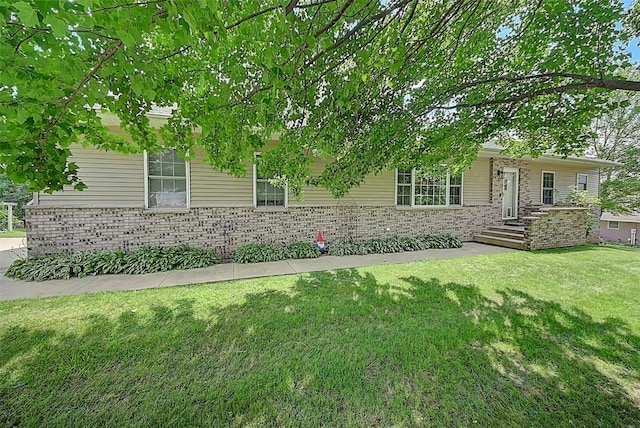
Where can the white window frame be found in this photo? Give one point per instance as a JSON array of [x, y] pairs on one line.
[[255, 190], [542, 188], [187, 172], [613, 228], [586, 183], [412, 198]]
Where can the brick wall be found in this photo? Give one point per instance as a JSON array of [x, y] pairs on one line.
[[56, 229], [594, 234], [524, 181], [556, 227]]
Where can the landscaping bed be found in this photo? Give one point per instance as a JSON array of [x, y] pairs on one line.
[[160, 259]]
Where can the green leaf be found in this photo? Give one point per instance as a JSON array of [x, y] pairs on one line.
[[27, 15], [58, 26], [22, 116], [126, 38]]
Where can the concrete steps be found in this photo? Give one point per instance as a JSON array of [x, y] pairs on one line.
[[502, 236]]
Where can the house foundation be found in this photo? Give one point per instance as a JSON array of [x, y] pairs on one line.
[[71, 229]]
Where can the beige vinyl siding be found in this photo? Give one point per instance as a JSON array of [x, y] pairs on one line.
[[211, 188], [565, 179], [476, 183], [593, 182], [377, 190], [113, 180], [312, 195]]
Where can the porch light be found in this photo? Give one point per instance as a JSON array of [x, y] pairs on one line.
[[499, 173]]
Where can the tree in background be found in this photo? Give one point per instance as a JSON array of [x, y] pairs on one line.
[[12, 192], [369, 85], [617, 138]]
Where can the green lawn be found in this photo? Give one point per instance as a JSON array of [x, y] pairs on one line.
[[517, 339], [15, 233]]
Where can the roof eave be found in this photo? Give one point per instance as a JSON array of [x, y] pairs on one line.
[[592, 161]]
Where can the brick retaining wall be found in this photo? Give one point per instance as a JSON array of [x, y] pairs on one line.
[[556, 227], [72, 229]]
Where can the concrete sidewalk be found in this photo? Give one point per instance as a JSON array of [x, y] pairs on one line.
[[11, 243], [13, 289], [10, 250]]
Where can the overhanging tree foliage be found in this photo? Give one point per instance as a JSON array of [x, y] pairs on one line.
[[616, 137], [369, 84]]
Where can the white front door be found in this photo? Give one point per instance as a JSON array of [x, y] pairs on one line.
[[510, 193]]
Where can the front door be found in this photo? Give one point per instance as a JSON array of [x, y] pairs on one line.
[[510, 193]]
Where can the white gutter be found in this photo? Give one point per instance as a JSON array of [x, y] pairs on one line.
[[487, 152]]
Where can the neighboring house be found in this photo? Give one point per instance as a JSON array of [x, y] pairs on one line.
[[620, 228], [159, 199]]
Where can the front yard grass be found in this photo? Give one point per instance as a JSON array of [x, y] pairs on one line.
[[15, 233], [517, 339]]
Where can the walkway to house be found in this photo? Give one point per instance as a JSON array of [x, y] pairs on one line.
[[11, 249], [12, 243], [13, 289]]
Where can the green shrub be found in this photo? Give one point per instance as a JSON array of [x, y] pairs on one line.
[[256, 253], [303, 250], [41, 268], [143, 260], [339, 248], [393, 245], [582, 198], [4, 219]]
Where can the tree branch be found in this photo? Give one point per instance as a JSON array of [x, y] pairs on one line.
[[357, 28], [182, 50], [129, 5], [515, 79], [253, 15], [290, 6], [21, 42], [335, 19], [588, 83], [107, 55], [315, 4]]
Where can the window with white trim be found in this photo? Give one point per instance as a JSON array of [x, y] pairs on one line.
[[418, 190], [403, 188], [548, 187], [581, 181], [167, 180], [266, 194], [613, 225]]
